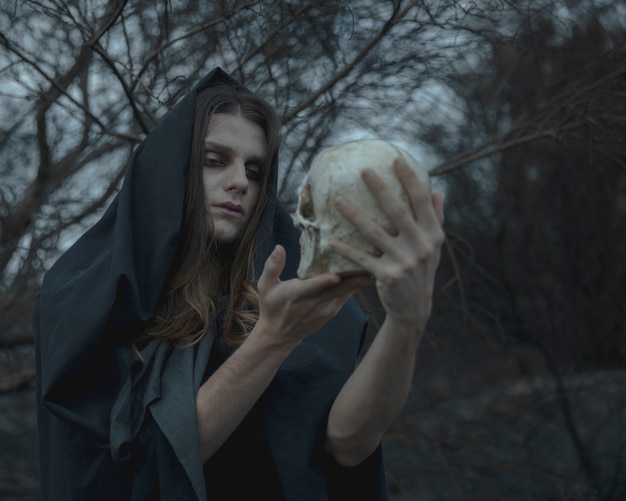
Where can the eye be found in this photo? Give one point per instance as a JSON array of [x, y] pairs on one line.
[[212, 160], [253, 172]]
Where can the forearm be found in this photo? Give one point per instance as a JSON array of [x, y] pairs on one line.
[[228, 395], [374, 395], [289, 312]]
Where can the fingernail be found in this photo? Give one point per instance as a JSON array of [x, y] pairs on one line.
[[340, 202], [401, 163], [367, 173]]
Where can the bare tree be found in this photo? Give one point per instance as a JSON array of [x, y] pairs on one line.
[[474, 89], [85, 81]]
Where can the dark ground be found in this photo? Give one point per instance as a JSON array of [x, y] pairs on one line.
[[490, 423], [468, 433]]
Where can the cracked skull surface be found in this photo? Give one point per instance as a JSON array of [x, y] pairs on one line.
[[336, 171]]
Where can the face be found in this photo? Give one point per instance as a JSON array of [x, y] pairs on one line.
[[234, 158]]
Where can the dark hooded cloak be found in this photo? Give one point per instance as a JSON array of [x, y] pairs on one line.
[[121, 424]]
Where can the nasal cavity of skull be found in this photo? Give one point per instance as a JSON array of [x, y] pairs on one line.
[[306, 204]]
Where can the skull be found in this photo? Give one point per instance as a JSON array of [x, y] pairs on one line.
[[336, 171]]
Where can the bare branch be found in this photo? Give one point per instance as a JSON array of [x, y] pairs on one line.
[[17, 223], [345, 71], [202, 27]]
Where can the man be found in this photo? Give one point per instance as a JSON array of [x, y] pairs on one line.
[[166, 369]]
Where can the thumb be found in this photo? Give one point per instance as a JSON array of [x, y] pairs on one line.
[[273, 267]]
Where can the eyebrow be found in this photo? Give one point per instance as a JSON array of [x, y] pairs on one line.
[[227, 150]]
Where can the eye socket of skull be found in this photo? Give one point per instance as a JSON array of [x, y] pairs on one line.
[[336, 171], [305, 205]]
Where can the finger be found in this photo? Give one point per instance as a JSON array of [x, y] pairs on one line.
[[372, 232], [427, 207], [316, 285], [392, 205], [418, 193], [272, 268], [353, 283], [328, 285], [345, 288], [437, 201], [362, 259]]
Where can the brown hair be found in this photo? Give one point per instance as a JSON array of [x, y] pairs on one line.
[[203, 270]]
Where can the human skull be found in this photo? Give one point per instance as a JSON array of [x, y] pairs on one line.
[[336, 171]]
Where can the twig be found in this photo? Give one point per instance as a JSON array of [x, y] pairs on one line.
[[370, 44]]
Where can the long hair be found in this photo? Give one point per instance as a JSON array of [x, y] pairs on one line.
[[202, 269]]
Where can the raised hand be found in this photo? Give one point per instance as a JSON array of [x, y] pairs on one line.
[[291, 310], [405, 269]]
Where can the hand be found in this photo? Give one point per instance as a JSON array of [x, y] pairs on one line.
[[405, 271], [289, 311]]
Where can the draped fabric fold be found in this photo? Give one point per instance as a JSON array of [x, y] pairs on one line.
[[120, 423]]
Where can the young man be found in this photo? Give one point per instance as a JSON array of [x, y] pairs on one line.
[[178, 355]]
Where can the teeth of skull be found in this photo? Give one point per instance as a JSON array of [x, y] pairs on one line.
[[336, 171]]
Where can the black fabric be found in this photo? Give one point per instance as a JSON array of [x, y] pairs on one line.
[[115, 424]]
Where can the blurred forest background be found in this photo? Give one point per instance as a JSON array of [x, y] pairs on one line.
[[517, 108]]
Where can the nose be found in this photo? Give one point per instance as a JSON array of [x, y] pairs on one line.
[[236, 178]]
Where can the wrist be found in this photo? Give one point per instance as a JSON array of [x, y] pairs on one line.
[[268, 337], [406, 328]]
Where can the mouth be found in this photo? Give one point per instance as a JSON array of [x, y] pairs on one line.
[[231, 208]]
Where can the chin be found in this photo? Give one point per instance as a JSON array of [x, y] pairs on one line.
[[227, 238], [227, 235]]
